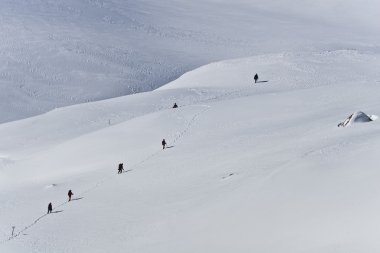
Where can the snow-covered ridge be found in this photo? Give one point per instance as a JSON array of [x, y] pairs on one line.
[[285, 71], [251, 166]]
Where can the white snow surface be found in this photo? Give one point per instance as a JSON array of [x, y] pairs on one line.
[[251, 167], [55, 53]]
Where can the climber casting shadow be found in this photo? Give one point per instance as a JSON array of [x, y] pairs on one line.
[[77, 199], [125, 171]]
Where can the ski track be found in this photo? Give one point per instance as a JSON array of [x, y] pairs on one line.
[[192, 121]]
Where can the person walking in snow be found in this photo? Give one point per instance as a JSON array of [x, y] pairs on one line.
[[70, 193], [163, 144], [175, 105], [50, 208], [256, 77], [120, 169]]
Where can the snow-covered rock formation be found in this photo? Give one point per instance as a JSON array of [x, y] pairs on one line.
[[357, 117]]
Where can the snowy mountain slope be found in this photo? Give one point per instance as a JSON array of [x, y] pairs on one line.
[[252, 168], [220, 80], [64, 52]]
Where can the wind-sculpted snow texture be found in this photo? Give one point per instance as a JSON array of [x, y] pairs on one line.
[[62, 52], [249, 167]]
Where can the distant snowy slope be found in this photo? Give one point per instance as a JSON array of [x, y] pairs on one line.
[[250, 167], [63, 52], [351, 14]]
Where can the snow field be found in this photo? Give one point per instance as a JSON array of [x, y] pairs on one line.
[[252, 168]]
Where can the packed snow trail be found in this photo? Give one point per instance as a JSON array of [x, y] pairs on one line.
[[17, 234], [176, 138]]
